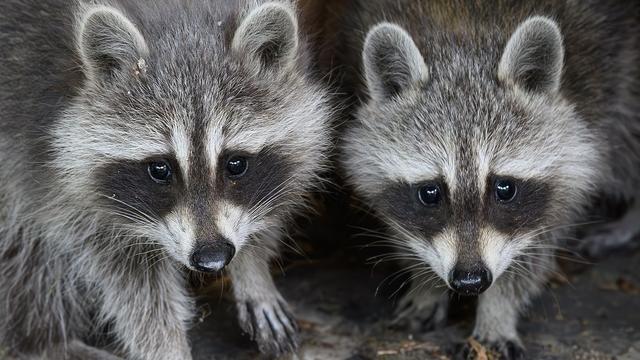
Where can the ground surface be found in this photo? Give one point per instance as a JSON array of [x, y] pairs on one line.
[[596, 315]]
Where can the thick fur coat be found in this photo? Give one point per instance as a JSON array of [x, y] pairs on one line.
[[134, 134]]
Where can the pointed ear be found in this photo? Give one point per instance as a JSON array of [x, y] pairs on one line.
[[268, 36], [107, 42], [534, 56], [391, 60]]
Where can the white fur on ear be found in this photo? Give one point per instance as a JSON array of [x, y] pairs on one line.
[[534, 56], [391, 61], [268, 36], [108, 41]]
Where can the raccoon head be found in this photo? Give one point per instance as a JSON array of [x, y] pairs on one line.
[[194, 131], [473, 157]]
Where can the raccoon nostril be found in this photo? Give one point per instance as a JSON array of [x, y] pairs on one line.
[[213, 257], [469, 282]]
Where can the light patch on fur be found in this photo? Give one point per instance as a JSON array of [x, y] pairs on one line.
[[214, 143], [408, 160], [497, 315], [484, 163], [180, 237], [235, 224], [81, 138], [527, 166], [449, 172], [496, 250], [407, 168], [251, 140], [181, 143], [445, 247], [440, 254]]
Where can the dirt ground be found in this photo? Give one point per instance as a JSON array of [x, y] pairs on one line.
[[595, 315]]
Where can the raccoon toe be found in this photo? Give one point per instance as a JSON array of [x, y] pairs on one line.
[[271, 326], [504, 350], [513, 351]]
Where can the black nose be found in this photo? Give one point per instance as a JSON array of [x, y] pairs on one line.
[[469, 282], [212, 257]]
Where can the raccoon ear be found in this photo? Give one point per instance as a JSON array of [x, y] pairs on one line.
[[391, 60], [534, 56], [268, 36], [107, 42]]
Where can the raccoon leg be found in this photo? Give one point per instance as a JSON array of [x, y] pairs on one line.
[[262, 311], [613, 235], [423, 308], [496, 323], [500, 306], [149, 309]]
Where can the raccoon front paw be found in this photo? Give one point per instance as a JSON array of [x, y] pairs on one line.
[[417, 314], [270, 324], [505, 350]]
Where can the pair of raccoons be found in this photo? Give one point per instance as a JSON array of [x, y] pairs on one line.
[[143, 140]]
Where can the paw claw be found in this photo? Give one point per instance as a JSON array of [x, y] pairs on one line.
[[513, 351], [270, 326], [284, 308]]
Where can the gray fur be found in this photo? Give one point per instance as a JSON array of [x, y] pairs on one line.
[[543, 92], [105, 34], [534, 56], [273, 25], [391, 61], [90, 92]]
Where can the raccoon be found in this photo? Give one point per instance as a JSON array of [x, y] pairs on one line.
[[482, 132], [143, 141]]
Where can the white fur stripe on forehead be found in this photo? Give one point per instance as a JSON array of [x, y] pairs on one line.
[[414, 170], [181, 142], [214, 144]]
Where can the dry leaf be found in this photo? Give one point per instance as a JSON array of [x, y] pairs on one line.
[[479, 350]]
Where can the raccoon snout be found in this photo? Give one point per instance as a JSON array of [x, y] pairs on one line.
[[213, 257], [469, 282]]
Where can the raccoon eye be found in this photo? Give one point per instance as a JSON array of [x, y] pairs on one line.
[[160, 172], [429, 194], [237, 166], [506, 190]]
